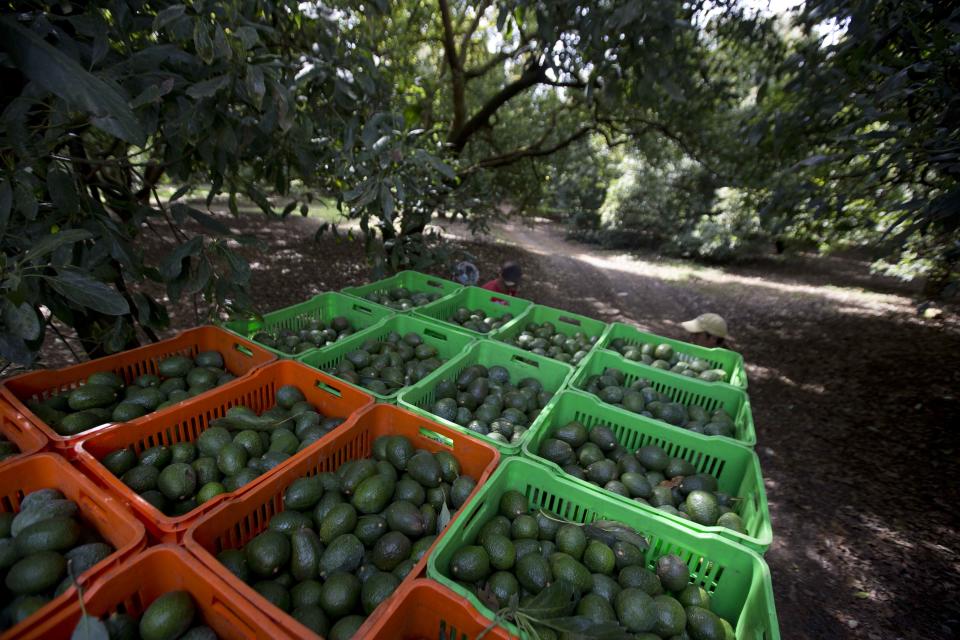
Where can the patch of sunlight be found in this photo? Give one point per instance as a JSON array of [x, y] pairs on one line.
[[883, 531]]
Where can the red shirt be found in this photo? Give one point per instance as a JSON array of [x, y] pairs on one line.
[[497, 286]]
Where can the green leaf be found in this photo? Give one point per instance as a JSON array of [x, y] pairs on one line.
[[6, 203], [21, 320], [172, 266], [441, 166], [443, 519], [248, 37], [256, 87], [25, 201], [83, 290], [583, 628], [386, 202], [208, 88], [64, 77], [611, 531], [220, 45], [202, 42], [62, 191], [167, 16], [200, 278], [239, 265], [179, 193], [14, 349], [90, 628], [52, 242]]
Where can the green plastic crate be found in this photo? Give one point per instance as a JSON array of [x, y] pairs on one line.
[[729, 361], [521, 364], [709, 395], [448, 341], [565, 322], [361, 314], [737, 578], [490, 302], [735, 466], [412, 280]]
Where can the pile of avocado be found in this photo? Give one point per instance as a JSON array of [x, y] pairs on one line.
[[479, 321], [169, 617], [518, 554], [641, 397], [106, 398], [346, 539], [388, 365], [36, 546], [485, 401], [312, 334], [401, 298], [663, 356], [544, 339], [7, 449], [232, 452], [649, 476]]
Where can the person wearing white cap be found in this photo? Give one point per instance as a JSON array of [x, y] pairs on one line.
[[707, 329]]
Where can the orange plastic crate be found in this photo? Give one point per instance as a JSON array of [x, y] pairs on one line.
[[240, 357], [111, 520], [426, 610], [131, 588], [187, 421], [236, 522], [28, 438]]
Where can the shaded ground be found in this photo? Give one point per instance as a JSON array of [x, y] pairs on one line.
[[854, 397]]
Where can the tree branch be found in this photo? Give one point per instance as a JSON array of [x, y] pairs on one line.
[[456, 69], [458, 137], [498, 59], [531, 151]]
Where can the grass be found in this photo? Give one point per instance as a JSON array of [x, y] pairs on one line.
[[322, 209]]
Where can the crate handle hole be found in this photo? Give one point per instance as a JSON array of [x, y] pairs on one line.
[[323, 386], [242, 349], [526, 361], [435, 284], [569, 320], [430, 434], [362, 309], [434, 334]]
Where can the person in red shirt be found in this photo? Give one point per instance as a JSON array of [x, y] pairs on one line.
[[508, 280]]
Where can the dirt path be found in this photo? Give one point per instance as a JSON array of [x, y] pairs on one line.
[[852, 396]]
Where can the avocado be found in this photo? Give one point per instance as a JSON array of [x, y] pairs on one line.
[[673, 572], [212, 440], [460, 490], [79, 422], [289, 395], [174, 367], [596, 608], [340, 519], [470, 564], [533, 572], [168, 617], [36, 573], [275, 593], [305, 550], [390, 550], [513, 504], [405, 517], [158, 456], [564, 567], [303, 494], [268, 553], [236, 562], [369, 528], [344, 553], [703, 624], [599, 558], [51, 534], [92, 396], [354, 472], [141, 478], [120, 461], [178, 481], [312, 617], [571, 540], [289, 521], [340, 595], [556, 451], [424, 468], [500, 550], [373, 494], [635, 610], [376, 589], [232, 459], [702, 507], [346, 628], [37, 511]]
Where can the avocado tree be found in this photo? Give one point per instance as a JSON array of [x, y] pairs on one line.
[[507, 86], [102, 100]]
